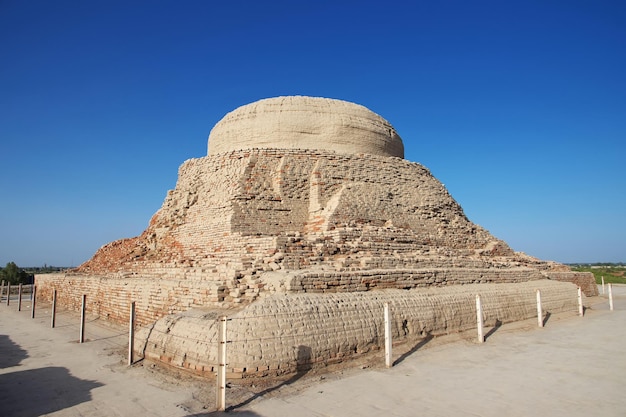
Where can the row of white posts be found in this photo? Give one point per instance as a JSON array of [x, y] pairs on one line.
[[610, 294], [479, 319], [81, 339]]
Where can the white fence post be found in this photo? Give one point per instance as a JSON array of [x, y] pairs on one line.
[[34, 297], [611, 297], [131, 333], [8, 293], [479, 319], [388, 344], [221, 366], [581, 311], [539, 309], [2, 290], [603, 286], [82, 320]]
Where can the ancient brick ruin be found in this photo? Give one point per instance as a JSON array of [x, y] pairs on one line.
[[298, 197]]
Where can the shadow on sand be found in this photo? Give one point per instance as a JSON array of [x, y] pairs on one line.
[[546, 318], [493, 329], [242, 413], [37, 392], [414, 349], [12, 353]]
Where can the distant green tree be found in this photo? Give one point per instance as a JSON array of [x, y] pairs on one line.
[[14, 275]]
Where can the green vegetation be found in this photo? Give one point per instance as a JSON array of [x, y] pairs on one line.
[[612, 273], [15, 275], [46, 269]]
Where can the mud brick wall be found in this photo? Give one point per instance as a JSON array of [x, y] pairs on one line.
[[585, 280], [235, 217], [285, 333], [354, 281], [110, 298], [229, 208]]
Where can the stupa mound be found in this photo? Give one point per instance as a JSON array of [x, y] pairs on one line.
[[301, 198], [305, 123]]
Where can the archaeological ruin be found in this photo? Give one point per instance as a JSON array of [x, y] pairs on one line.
[[303, 219]]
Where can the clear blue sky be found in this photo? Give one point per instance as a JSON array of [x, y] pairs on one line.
[[518, 107]]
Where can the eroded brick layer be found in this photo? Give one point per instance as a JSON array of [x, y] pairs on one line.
[[288, 333], [247, 222]]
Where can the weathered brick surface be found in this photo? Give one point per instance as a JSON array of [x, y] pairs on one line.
[[585, 280], [110, 298], [305, 123], [283, 332], [236, 209], [236, 218]]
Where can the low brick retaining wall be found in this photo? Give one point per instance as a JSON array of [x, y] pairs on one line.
[[285, 333], [585, 280]]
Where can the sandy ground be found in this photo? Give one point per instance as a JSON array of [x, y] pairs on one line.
[[572, 367]]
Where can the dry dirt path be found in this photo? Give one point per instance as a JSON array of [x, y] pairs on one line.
[[572, 367], [45, 371]]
